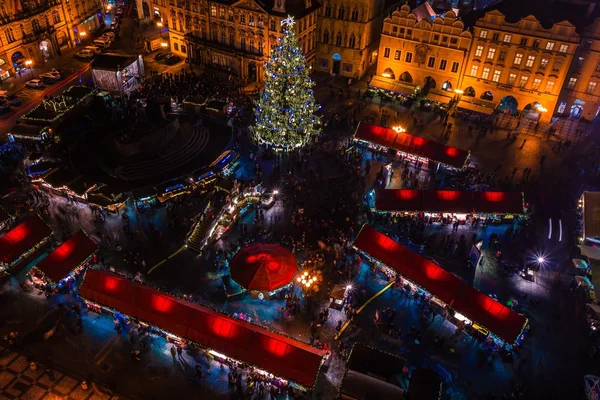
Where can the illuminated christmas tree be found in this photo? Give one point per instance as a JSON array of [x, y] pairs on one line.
[[286, 110]]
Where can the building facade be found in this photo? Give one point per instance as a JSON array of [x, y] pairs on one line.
[[38, 30], [520, 66], [235, 36], [580, 97], [348, 36], [425, 53]]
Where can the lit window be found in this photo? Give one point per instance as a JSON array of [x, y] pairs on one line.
[[507, 38], [483, 34], [486, 73], [496, 76], [518, 59], [530, 61], [549, 86], [549, 45], [408, 58], [491, 53], [536, 83], [591, 88], [563, 48], [474, 69], [543, 63], [397, 54], [523, 81], [572, 83], [479, 51], [512, 77], [213, 10]]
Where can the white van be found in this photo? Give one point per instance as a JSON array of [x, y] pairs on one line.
[[105, 44]]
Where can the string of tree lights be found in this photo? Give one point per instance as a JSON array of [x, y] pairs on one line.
[[286, 110]]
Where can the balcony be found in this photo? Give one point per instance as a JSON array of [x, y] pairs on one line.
[[37, 35], [48, 4]]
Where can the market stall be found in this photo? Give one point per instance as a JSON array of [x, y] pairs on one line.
[[224, 336], [117, 73], [22, 241], [590, 207], [468, 306], [414, 148], [145, 199], [5, 219], [65, 261], [263, 268]]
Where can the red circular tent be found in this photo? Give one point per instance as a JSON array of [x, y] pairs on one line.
[[263, 267]]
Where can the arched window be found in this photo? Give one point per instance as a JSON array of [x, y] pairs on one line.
[[341, 12], [35, 25], [328, 10], [326, 36], [10, 35], [469, 92], [352, 41], [447, 86], [354, 16], [56, 16], [338, 39]]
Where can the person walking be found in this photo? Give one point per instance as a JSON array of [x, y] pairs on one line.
[[173, 352], [199, 370]]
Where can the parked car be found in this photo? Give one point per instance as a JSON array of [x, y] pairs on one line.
[[93, 49], [161, 55], [85, 55], [102, 43], [10, 98], [35, 83], [172, 59], [51, 76], [109, 34]]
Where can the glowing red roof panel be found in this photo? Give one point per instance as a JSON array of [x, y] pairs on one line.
[[263, 267], [22, 238], [498, 202], [282, 356], [68, 256]]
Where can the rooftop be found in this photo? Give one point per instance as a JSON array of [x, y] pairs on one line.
[[113, 62]]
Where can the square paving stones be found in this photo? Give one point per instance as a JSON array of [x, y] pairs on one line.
[[7, 357], [5, 378], [34, 393], [19, 364], [66, 385]]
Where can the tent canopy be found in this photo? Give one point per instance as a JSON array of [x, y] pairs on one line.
[[280, 355], [591, 214], [263, 267], [68, 256], [410, 144], [22, 238], [452, 201], [476, 306]]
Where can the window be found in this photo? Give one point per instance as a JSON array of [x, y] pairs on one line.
[[176, 46], [556, 65], [402, 31], [579, 62], [572, 82], [536, 44], [474, 69], [549, 45], [213, 10], [347, 67], [496, 76], [543, 63], [409, 32], [251, 20], [530, 61], [323, 63], [591, 87], [549, 86], [10, 35], [354, 17], [563, 48], [454, 67], [436, 37], [243, 43], [507, 38], [341, 12], [443, 64], [523, 41], [352, 41], [479, 51], [486, 73], [518, 59], [483, 34], [223, 36], [56, 16], [251, 46], [512, 77], [523, 81], [491, 53], [444, 39], [338, 40], [431, 62], [394, 29], [243, 19], [453, 40], [231, 39], [328, 10], [536, 83], [272, 25], [408, 57], [495, 37], [221, 12], [326, 36], [183, 49], [397, 54], [230, 15], [386, 52]]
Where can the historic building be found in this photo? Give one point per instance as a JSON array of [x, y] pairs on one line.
[[518, 64], [580, 97], [421, 50], [37, 30], [348, 35], [236, 36]]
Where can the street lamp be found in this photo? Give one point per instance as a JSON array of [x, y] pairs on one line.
[[159, 24], [164, 45], [82, 36], [399, 129], [29, 64]]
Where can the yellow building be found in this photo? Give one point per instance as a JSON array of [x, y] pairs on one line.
[[348, 36], [235, 36], [420, 50], [580, 97], [38, 31], [520, 65]]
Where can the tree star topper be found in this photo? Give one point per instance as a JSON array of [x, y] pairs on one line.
[[289, 21]]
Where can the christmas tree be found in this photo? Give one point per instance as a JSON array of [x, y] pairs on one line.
[[285, 110]]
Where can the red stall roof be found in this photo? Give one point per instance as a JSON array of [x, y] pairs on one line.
[[282, 356], [22, 238], [474, 305], [68, 256], [449, 201], [415, 145]]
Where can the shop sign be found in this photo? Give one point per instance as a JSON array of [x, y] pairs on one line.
[[579, 102]]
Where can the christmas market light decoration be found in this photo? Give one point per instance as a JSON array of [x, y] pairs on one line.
[[285, 113], [399, 129]]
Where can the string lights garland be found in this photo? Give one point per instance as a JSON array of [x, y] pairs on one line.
[[285, 112]]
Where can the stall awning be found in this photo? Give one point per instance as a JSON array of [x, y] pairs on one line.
[[474, 305], [22, 238], [68, 256], [280, 355], [439, 98], [391, 85], [410, 144], [453, 201], [590, 252], [480, 108], [591, 214]]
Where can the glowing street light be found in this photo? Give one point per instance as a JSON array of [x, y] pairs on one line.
[[399, 129], [82, 34], [164, 45], [541, 260], [458, 91], [159, 24], [28, 63]]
